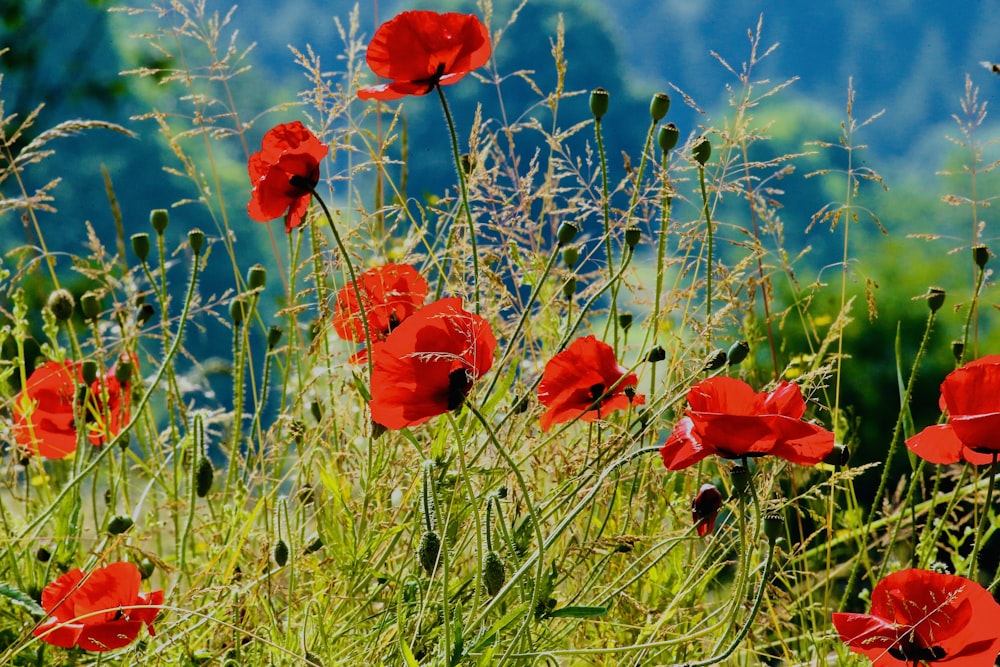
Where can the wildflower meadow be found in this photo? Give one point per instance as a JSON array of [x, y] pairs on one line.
[[566, 408]]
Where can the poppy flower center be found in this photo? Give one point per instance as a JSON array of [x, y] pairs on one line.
[[909, 650], [433, 79], [458, 387], [303, 183]]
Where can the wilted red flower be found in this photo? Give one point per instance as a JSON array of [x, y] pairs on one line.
[[925, 616], [725, 416], [705, 509], [100, 611], [428, 364], [971, 397], [43, 411], [389, 293], [419, 50], [585, 381], [283, 173]]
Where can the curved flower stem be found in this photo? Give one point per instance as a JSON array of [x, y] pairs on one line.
[[470, 492], [745, 629], [973, 308], [982, 519], [548, 541], [897, 433], [706, 211], [463, 186], [666, 204]]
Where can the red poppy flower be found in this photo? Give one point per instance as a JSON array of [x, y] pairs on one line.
[[283, 174], [389, 293], [428, 364], [585, 381], [100, 611], [971, 397], [43, 411], [726, 417], [705, 509], [419, 50], [919, 615]]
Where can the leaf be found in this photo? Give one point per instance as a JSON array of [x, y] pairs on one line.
[[21, 600], [578, 612]]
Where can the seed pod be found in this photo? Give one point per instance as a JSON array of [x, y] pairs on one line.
[[196, 239], [738, 351], [569, 289], [90, 305], [715, 360], [667, 137], [935, 298], [659, 106], [494, 573], [599, 99], [274, 336], [774, 524], [980, 255], [702, 151], [257, 276], [140, 245], [146, 568], [570, 255], [159, 219], [632, 237], [656, 354], [566, 233], [203, 476]]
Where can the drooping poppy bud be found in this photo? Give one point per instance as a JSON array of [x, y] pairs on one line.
[[705, 508], [656, 354], [715, 360]]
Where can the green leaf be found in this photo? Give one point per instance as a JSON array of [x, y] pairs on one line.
[[21, 600], [578, 612]]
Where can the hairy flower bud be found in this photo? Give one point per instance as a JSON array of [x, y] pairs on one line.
[[715, 360], [566, 233], [428, 550], [280, 552], [119, 524], [88, 369], [494, 573], [738, 351], [61, 303], [203, 476], [656, 354]]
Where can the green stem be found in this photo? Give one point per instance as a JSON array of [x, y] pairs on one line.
[[605, 200], [706, 211], [463, 186], [983, 520]]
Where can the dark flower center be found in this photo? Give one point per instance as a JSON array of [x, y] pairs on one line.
[[911, 651], [304, 183], [433, 79], [458, 387]]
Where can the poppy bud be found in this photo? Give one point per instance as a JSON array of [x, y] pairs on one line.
[[280, 552], [274, 336], [140, 246], [659, 106], [257, 276], [935, 298], [90, 305], [203, 476], [656, 354], [570, 255], [957, 350], [43, 555], [705, 508], [314, 546], [702, 151], [159, 219], [774, 524], [239, 309], [146, 568], [88, 369], [715, 360], [494, 573], [632, 237], [569, 289], [61, 304], [119, 524], [625, 321], [196, 239], [502, 492], [316, 411], [738, 351], [667, 137], [145, 312], [306, 495], [740, 476], [298, 431], [599, 99], [428, 550], [123, 370], [566, 233], [981, 255], [838, 456]]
